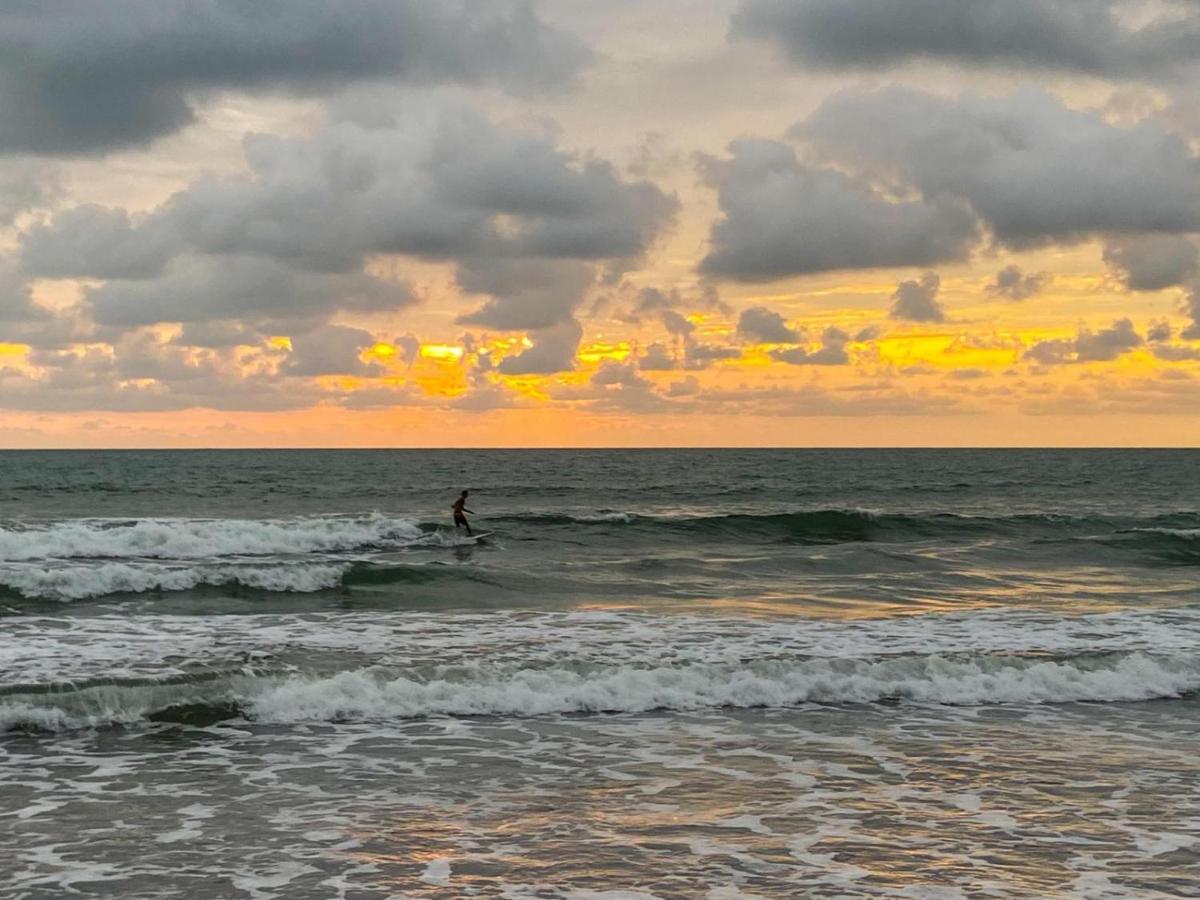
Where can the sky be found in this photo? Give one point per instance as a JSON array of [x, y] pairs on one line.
[[399, 223]]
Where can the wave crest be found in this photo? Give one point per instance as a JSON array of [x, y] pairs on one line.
[[202, 538], [372, 694]]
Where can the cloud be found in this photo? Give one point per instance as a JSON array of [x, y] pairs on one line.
[[553, 351], [526, 294], [1154, 261], [524, 221], [92, 241], [1033, 170], [409, 347], [1088, 346], [199, 289], [26, 185], [677, 325], [330, 350], [652, 301], [1159, 331], [1014, 284], [611, 373], [917, 300], [689, 387], [16, 302], [782, 218], [701, 356], [1108, 38], [84, 77], [221, 334], [142, 373], [765, 326], [657, 358], [832, 351]]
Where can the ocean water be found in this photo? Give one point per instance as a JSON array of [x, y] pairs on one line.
[[716, 674]]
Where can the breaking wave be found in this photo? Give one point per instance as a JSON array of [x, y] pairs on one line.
[[373, 694], [202, 538]]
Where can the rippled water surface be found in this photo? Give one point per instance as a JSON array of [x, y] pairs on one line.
[[665, 674]]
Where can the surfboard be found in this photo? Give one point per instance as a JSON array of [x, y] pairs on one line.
[[480, 535]]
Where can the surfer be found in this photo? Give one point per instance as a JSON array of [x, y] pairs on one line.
[[460, 508]]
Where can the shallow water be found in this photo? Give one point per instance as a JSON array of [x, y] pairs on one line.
[[670, 674]]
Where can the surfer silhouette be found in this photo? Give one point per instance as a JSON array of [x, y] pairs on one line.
[[460, 509]]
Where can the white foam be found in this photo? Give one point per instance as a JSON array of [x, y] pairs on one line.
[[604, 517], [935, 680], [437, 873], [201, 538], [80, 582]]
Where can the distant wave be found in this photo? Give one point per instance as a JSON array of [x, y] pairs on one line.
[[846, 525], [369, 694]]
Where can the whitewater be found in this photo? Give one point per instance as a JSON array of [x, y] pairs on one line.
[[667, 674]]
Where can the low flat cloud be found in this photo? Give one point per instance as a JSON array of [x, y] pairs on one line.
[[1109, 38], [1104, 345], [832, 351], [1014, 284], [80, 77]]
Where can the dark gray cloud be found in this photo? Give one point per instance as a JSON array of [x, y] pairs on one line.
[[1095, 37], [652, 301], [832, 351], [1032, 169], [26, 185], [612, 373], [526, 223], [1012, 283], [92, 241], [80, 77], [16, 304], [781, 218], [677, 325], [765, 326], [917, 300], [1088, 346], [701, 356], [224, 333], [1176, 353], [1192, 332], [525, 294], [1153, 262], [330, 350], [1158, 332], [658, 358], [199, 289], [553, 351]]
